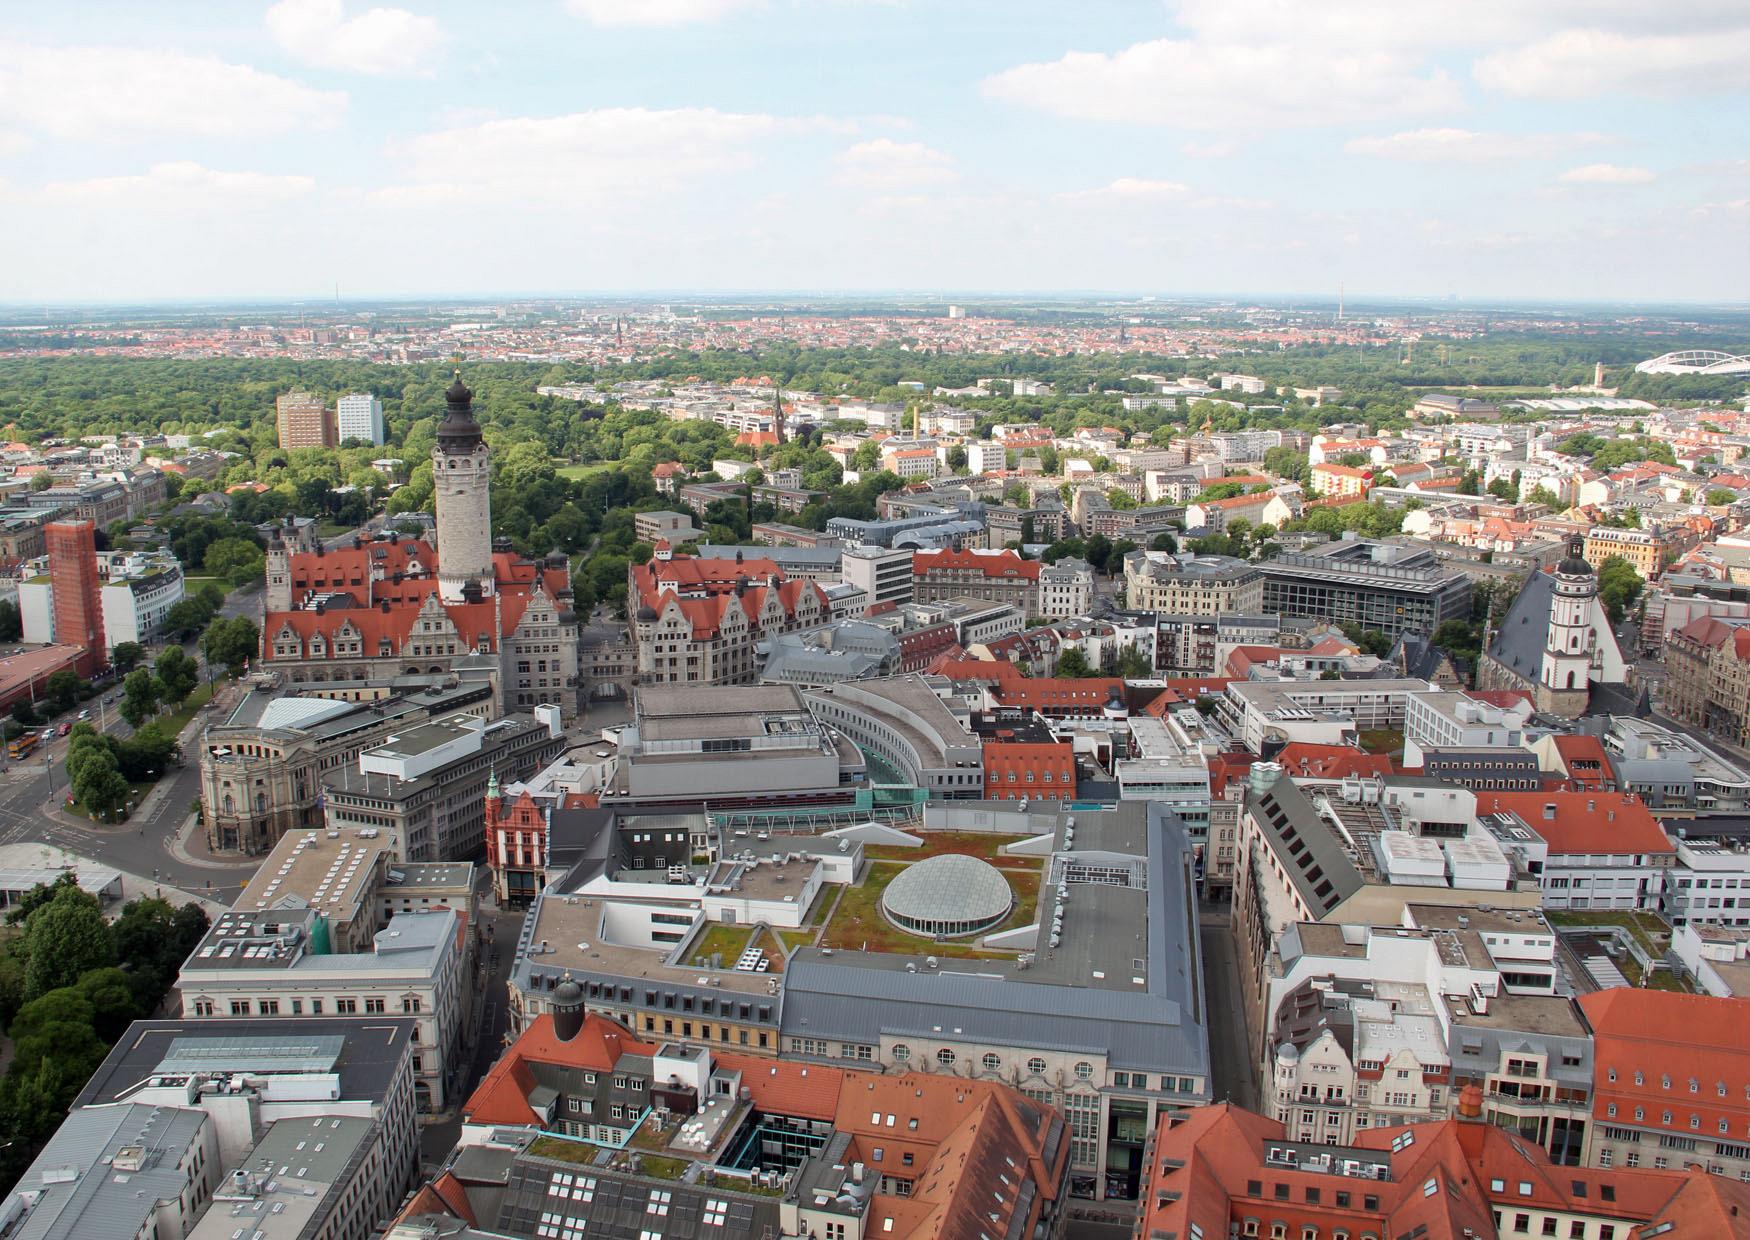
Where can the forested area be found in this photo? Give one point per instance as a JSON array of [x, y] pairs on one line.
[[571, 476], [70, 984]]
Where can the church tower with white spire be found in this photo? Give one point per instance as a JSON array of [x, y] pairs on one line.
[[1564, 681], [461, 471]]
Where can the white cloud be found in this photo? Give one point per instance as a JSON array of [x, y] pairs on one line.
[[622, 152], [1143, 191], [1605, 174], [656, 12], [182, 185], [389, 41], [883, 163], [121, 94], [1241, 86], [1579, 64], [1468, 146], [1251, 65], [1134, 189]]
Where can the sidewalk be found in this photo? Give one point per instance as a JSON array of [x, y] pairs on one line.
[[188, 844]]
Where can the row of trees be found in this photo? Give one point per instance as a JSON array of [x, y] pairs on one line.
[[101, 768], [70, 984]]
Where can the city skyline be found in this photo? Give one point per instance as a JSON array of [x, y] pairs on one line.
[[1556, 152]]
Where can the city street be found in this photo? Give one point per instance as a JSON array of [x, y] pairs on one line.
[[499, 929], [32, 791], [1233, 1076]]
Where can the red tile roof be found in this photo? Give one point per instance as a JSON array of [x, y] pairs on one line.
[[1583, 822], [1507, 699], [503, 1096], [1333, 761], [1447, 1180], [1677, 1053], [1586, 762], [990, 563]]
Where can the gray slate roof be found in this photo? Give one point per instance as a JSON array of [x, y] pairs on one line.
[[1520, 640], [83, 1199]]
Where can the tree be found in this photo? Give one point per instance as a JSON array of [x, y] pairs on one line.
[[1072, 663], [126, 657], [1541, 494], [1620, 452], [96, 781], [186, 618], [1371, 641], [233, 642], [1619, 587], [236, 560], [1221, 490], [1503, 489], [111, 996], [177, 674], [1460, 639], [146, 754], [1098, 553], [39, 896], [1133, 664], [11, 624], [63, 939], [61, 691], [141, 692], [1718, 497], [1164, 542], [1288, 463], [151, 939]]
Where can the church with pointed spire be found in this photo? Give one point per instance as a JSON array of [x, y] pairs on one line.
[[1556, 644], [389, 607]]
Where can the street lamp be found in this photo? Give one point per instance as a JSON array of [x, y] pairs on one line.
[[49, 770]]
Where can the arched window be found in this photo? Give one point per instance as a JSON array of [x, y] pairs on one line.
[[230, 805], [1573, 678]]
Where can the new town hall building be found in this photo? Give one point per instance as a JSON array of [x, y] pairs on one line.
[[396, 606]]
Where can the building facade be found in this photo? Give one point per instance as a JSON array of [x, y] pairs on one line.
[[1192, 585], [305, 421], [359, 416], [78, 608]]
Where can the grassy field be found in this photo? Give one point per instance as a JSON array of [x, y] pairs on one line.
[[726, 941], [135, 792], [660, 1168], [1652, 933], [177, 719], [972, 843], [564, 1151], [1382, 740], [857, 923], [576, 472]]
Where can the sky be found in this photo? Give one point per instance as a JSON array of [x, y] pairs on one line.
[[1510, 149]]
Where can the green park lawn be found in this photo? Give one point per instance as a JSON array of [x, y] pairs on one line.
[[857, 923]]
